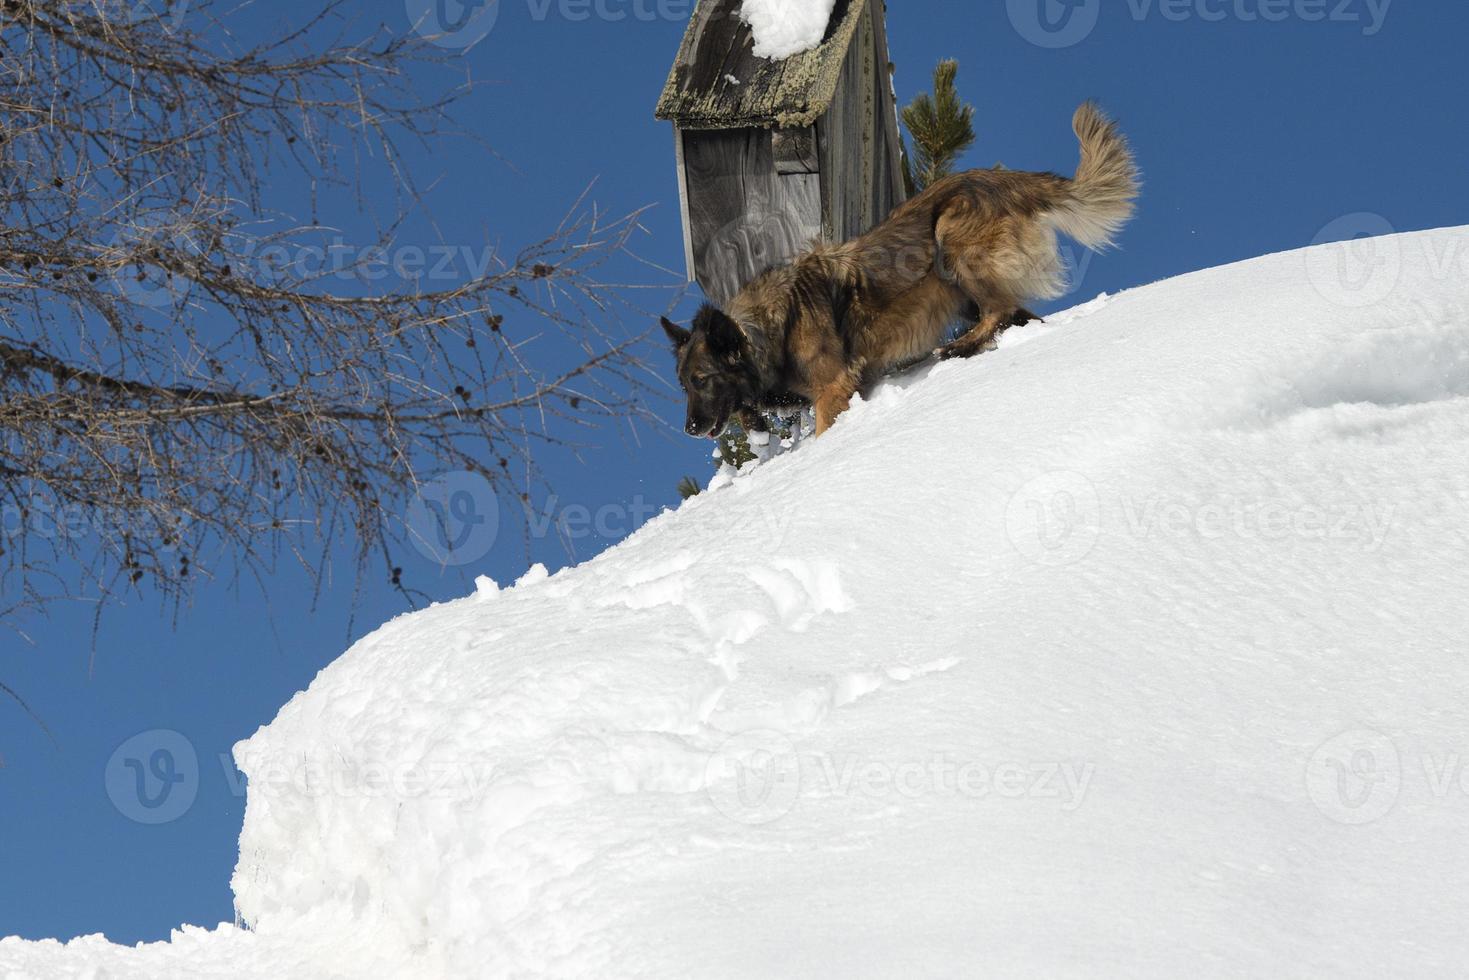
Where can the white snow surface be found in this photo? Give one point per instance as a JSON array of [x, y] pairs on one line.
[[783, 28], [1136, 647]]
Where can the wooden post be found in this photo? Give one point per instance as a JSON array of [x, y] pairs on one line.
[[773, 155]]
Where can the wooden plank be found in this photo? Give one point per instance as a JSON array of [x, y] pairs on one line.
[[858, 139], [839, 135], [683, 203], [744, 217], [891, 158], [862, 54], [795, 150]]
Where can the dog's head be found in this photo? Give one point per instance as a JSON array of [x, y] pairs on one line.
[[715, 370]]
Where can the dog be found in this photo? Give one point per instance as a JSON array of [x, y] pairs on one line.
[[974, 246]]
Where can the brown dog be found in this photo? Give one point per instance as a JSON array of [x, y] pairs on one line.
[[975, 245]]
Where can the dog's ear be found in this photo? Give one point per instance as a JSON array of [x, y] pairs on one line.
[[723, 335], [677, 334]]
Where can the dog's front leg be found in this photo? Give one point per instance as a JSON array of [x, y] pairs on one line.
[[753, 420], [830, 404], [832, 393]]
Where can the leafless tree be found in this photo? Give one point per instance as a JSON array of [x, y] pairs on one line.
[[184, 395]]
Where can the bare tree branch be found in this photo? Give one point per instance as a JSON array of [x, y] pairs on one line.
[[194, 383]]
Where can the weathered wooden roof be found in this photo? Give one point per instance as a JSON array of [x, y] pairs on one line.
[[718, 83]]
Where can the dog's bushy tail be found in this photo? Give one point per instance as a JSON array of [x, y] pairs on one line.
[[1102, 194]]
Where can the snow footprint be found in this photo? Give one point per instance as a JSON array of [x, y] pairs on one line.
[[854, 687], [662, 583], [801, 591]]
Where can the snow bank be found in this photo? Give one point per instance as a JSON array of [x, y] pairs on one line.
[[1136, 647], [784, 28]]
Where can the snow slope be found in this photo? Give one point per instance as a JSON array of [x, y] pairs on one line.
[[1136, 647]]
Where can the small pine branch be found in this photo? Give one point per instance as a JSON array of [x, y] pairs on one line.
[[734, 448], [941, 125]]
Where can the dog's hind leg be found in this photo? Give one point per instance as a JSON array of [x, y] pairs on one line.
[[982, 336], [970, 255], [979, 338]]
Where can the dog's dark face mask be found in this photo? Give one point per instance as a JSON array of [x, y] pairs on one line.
[[713, 369]]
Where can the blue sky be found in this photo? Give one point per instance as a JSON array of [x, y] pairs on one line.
[[1259, 123]]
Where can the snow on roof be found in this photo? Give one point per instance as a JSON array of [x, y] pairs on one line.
[[1136, 646], [786, 27]]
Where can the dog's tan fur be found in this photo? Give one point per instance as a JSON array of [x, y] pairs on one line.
[[974, 246]]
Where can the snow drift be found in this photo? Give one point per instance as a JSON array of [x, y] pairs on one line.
[[1137, 646]]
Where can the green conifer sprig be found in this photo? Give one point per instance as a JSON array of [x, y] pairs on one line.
[[942, 128]]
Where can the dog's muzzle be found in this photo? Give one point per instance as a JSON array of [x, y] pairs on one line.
[[703, 430]]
